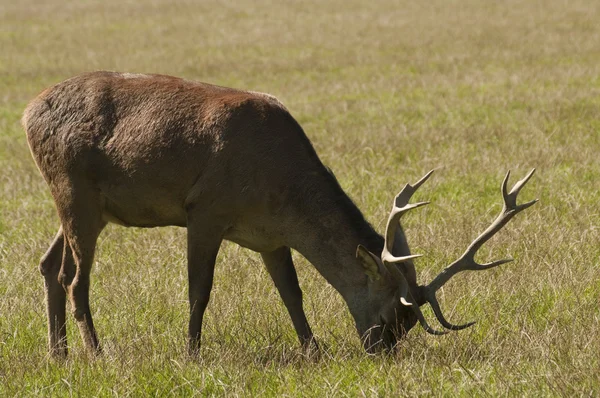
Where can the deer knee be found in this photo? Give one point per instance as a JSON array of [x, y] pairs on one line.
[[66, 276], [78, 290], [48, 267], [79, 312], [50, 263]]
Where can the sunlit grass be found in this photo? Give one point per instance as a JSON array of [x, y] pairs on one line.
[[385, 91]]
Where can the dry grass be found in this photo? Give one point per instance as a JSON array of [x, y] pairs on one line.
[[385, 90]]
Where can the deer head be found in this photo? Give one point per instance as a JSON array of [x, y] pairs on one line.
[[392, 282]]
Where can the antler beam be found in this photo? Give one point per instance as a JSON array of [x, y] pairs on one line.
[[467, 260], [399, 208]]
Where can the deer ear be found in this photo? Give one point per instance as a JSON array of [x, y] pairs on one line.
[[370, 262]]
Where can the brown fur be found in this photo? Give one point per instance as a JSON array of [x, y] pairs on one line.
[[151, 150]]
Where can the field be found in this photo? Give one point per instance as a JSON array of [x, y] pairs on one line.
[[386, 91]]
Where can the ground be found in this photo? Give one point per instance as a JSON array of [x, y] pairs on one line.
[[386, 90]]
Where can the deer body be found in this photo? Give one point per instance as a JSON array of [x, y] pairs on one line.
[[151, 150]]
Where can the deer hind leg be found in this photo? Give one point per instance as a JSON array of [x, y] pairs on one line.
[[204, 240], [50, 266], [281, 268], [79, 209]]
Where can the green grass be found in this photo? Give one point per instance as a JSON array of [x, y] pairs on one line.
[[386, 91]]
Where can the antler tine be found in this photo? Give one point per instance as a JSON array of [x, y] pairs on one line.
[[510, 199], [399, 208], [467, 260], [400, 281], [417, 311], [412, 304], [407, 192], [435, 305]]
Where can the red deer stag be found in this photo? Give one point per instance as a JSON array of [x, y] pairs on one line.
[[151, 150]]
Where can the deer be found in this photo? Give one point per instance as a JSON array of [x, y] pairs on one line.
[[148, 151]]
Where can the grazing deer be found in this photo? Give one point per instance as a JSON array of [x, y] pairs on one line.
[[151, 150]]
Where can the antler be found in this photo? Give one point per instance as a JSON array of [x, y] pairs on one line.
[[467, 260], [399, 208]]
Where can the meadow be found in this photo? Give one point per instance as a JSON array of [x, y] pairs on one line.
[[386, 90]]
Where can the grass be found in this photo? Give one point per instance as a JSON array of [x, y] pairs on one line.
[[385, 91]]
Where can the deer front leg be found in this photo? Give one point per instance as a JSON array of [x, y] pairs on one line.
[[50, 266], [281, 268], [203, 245]]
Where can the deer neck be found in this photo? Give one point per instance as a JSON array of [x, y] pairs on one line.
[[329, 239]]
